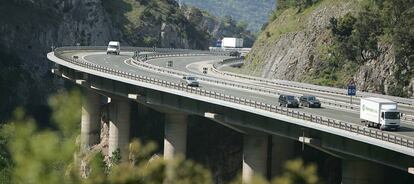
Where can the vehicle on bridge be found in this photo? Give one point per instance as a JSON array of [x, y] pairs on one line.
[[380, 113], [114, 47], [190, 81], [234, 53], [288, 101], [309, 101]]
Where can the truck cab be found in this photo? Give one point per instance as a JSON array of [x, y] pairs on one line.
[[114, 47], [390, 119]]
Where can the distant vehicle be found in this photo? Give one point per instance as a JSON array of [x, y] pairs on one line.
[[309, 101], [234, 53], [114, 47], [380, 113], [288, 101], [169, 64], [232, 42], [190, 81]]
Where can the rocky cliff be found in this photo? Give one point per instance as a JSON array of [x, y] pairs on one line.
[[297, 46], [30, 28]]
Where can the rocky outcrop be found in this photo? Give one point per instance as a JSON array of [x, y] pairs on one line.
[[298, 49], [30, 29], [291, 55]]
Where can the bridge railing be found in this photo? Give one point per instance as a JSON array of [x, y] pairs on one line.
[[405, 101], [351, 127], [216, 69], [166, 52]]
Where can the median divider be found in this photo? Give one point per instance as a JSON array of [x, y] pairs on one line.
[[377, 134], [293, 84]]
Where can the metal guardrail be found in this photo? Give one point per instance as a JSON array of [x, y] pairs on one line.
[[384, 136], [339, 91], [175, 72], [216, 67], [237, 85]]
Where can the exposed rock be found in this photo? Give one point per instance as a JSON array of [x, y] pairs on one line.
[[294, 55]]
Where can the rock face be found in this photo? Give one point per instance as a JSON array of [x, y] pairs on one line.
[[30, 28], [84, 22], [295, 50], [293, 53]]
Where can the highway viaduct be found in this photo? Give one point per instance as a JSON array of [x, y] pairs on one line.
[[239, 104]]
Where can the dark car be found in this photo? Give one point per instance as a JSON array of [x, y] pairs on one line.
[[288, 101], [309, 101], [234, 53]]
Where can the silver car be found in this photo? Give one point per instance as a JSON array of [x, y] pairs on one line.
[[190, 81]]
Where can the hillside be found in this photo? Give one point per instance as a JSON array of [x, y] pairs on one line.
[[218, 27], [329, 42], [254, 13], [25, 80]]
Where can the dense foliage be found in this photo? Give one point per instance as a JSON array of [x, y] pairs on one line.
[[300, 5], [218, 27], [358, 37], [31, 155], [255, 13]]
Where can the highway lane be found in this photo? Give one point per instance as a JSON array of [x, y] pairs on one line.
[[118, 62], [184, 64]]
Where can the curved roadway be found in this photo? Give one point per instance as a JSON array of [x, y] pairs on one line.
[[193, 64]]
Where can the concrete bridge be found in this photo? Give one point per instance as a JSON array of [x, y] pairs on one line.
[[243, 103]]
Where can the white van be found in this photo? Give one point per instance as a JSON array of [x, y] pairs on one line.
[[114, 47]]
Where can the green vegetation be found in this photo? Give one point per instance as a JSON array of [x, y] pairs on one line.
[[290, 20], [357, 38], [299, 5], [255, 13], [140, 21], [31, 155], [370, 30], [218, 27]]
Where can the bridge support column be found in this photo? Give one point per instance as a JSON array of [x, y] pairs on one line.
[[254, 156], [90, 121], [119, 127], [283, 149], [175, 136], [361, 172]]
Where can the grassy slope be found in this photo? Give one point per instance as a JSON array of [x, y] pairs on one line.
[[289, 21]]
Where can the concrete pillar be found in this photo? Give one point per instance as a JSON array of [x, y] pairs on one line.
[[361, 172], [254, 156], [283, 149], [175, 135], [91, 120], [119, 127]]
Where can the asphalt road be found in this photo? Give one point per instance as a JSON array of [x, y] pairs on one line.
[[182, 64]]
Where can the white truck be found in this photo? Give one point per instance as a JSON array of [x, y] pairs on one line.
[[114, 47], [380, 113], [232, 42]]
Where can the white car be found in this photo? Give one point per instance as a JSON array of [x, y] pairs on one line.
[[114, 47], [190, 81]]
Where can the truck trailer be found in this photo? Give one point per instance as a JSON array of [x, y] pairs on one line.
[[232, 42], [380, 113]]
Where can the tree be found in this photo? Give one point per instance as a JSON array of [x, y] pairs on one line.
[[295, 172], [53, 156]]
